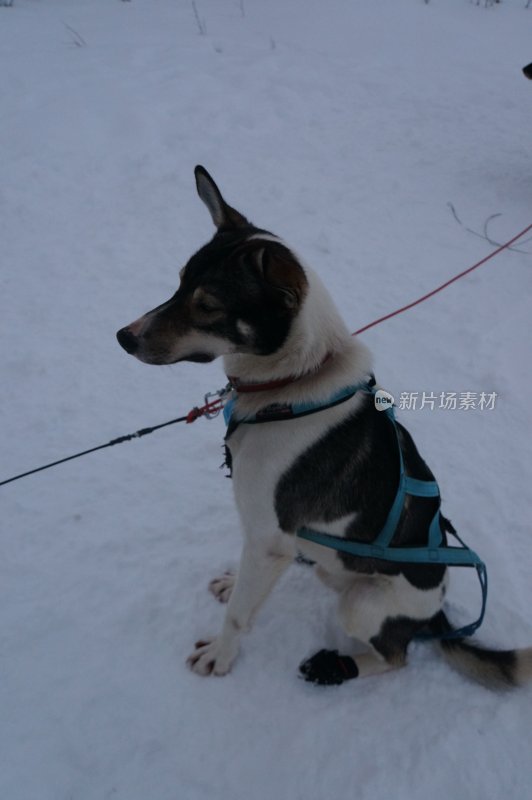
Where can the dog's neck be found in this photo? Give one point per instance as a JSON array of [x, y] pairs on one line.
[[318, 356], [242, 387]]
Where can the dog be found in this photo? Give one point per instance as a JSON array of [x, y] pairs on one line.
[[247, 297]]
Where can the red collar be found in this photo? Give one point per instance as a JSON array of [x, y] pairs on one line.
[[244, 388]]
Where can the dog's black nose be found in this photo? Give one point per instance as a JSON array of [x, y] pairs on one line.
[[127, 340]]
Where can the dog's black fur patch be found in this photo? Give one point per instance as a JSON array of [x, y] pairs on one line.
[[354, 467], [327, 668], [394, 637]]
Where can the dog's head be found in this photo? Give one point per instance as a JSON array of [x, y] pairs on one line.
[[239, 294]]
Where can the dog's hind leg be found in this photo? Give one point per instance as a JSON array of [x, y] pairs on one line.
[[384, 613], [260, 568]]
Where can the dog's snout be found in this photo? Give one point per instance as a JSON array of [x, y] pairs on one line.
[[127, 340]]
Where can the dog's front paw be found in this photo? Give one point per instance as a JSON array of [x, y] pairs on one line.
[[222, 587], [210, 658]]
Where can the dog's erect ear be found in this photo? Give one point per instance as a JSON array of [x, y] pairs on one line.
[[223, 216], [282, 271]]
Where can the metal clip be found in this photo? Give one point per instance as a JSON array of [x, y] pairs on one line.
[[211, 397]]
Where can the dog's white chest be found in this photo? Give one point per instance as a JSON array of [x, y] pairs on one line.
[[262, 453]]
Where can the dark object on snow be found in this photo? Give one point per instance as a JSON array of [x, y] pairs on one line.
[[328, 668], [527, 71]]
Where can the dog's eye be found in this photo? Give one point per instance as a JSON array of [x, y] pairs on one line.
[[208, 306], [205, 301]]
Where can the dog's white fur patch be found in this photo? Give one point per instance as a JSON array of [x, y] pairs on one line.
[[244, 329]]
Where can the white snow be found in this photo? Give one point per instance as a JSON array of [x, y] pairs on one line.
[[346, 128]]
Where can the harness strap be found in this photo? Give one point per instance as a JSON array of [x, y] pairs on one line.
[[445, 555], [407, 485], [449, 556], [278, 412]]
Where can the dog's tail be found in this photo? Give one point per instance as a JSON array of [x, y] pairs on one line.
[[495, 669]]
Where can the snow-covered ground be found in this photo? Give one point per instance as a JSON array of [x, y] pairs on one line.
[[347, 127]]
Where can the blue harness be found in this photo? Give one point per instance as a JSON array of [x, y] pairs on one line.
[[436, 552]]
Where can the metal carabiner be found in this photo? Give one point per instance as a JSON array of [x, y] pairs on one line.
[[212, 397]]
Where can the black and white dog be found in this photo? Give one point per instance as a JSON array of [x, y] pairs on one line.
[[247, 297]]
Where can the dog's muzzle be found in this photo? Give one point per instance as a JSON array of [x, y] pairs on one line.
[[128, 340]]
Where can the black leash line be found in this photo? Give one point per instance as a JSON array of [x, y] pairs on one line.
[[210, 410], [127, 438]]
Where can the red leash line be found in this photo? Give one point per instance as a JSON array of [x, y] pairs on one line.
[[216, 405], [444, 285]]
